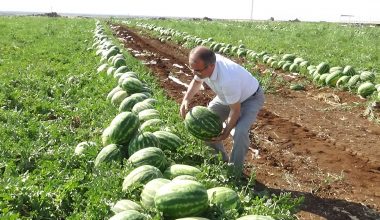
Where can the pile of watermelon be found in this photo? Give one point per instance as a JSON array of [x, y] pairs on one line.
[[138, 135]]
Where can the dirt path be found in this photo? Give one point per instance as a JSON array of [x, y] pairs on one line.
[[313, 143]]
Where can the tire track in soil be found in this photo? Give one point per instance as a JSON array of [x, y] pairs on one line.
[[293, 158]]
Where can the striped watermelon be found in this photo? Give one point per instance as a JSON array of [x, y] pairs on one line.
[[128, 103], [203, 123], [180, 169], [143, 140], [185, 177], [223, 197], [122, 76], [113, 91], [152, 125], [140, 106], [83, 146], [151, 101], [349, 71], [107, 154], [353, 81], [286, 66], [181, 198], [342, 81], [118, 97], [149, 191], [168, 140], [110, 70], [255, 217], [332, 78], [366, 89], [148, 114], [119, 62], [288, 57], [121, 130], [124, 205], [129, 215], [335, 68], [192, 218], [132, 85], [149, 156], [367, 76], [294, 68], [141, 175], [323, 68], [121, 69]]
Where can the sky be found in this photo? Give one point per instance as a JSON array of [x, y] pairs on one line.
[[304, 10]]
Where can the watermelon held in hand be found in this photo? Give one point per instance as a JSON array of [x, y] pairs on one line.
[[202, 123]]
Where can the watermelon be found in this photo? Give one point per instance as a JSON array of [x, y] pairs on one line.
[[119, 62], [322, 79], [367, 76], [294, 68], [303, 67], [143, 140], [181, 198], [148, 114], [108, 153], [121, 130], [168, 140], [149, 156], [323, 68], [286, 66], [81, 147], [129, 215], [332, 78], [110, 53], [349, 71], [113, 91], [125, 204], [122, 76], [256, 217], [288, 57], [152, 125], [151, 101], [141, 175], [140, 106], [224, 197], [353, 81], [180, 169], [185, 177], [118, 97], [336, 68], [121, 69], [149, 191], [366, 89], [342, 81], [128, 103], [202, 123], [132, 85], [110, 70], [192, 218], [297, 87], [102, 68]]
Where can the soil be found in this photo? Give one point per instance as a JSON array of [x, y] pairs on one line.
[[313, 143]]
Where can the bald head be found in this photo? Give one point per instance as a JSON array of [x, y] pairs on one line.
[[202, 53]]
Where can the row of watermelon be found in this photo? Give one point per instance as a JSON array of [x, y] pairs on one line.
[[172, 190], [346, 78]]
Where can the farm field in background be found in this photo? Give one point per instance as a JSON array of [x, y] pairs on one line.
[[53, 98], [337, 44]]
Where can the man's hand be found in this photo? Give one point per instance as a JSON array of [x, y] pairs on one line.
[[184, 108], [221, 137]]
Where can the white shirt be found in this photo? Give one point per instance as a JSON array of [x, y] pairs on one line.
[[231, 82]]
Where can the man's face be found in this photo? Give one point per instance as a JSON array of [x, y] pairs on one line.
[[199, 69]]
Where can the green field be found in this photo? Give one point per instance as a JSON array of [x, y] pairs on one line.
[[51, 99], [337, 44]]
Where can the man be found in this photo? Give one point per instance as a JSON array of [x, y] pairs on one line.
[[238, 99]]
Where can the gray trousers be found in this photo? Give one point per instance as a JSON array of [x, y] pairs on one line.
[[248, 113]]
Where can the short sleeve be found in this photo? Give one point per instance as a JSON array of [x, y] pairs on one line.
[[197, 78]]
